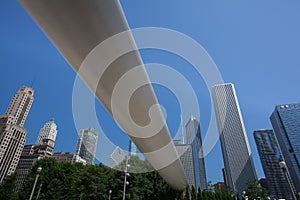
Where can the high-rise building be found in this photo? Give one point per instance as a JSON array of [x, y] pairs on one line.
[[186, 157], [116, 157], [286, 124], [193, 137], [12, 133], [20, 105], [269, 153], [237, 157], [87, 144], [30, 154], [49, 131]]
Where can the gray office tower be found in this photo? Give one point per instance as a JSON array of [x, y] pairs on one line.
[[237, 157], [186, 157], [286, 124], [269, 153], [87, 145], [193, 137]]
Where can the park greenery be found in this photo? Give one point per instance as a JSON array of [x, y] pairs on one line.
[[68, 181]]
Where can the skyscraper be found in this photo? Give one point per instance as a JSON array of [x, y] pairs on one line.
[[237, 157], [186, 157], [49, 131], [12, 133], [193, 137], [116, 157], [87, 144], [286, 124], [20, 105], [269, 153], [31, 153]]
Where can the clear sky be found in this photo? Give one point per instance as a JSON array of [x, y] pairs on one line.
[[255, 44]]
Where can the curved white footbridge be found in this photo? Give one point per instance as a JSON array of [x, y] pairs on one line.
[[76, 28]]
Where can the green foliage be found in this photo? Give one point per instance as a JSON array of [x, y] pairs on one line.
[[209, 194], [7, 188], [255, 191], [136, 165], [64, 180]]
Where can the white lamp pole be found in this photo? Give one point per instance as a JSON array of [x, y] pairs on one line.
[[282, 165], [38, 171], [125, 176]]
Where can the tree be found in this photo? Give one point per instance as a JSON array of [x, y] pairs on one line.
[[7, 188], [75, 181], [255, 191], [193, 194]]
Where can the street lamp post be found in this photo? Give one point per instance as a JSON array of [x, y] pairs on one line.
[[38, 171], [37, 196], [282, 165], [244, 195], [109, 194], [125, 176]]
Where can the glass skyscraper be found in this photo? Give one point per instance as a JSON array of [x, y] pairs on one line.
[[237, 157], [269, 153], [87, 144], [286, 124], [193, 137]]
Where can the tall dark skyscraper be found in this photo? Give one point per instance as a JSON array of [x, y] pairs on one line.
[[193, 137], [269, 153], [87, 144], [12, 132], [237, 157], [286, 124]]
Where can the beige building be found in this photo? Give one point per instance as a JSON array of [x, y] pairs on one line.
[[12, 133], [30, 154]]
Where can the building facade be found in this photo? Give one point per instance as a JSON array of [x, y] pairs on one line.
[[270, 154], [237, 157], [286, 124], [12, 132], [193, 137], [116, 157], [31, 154], [186, 157], [68, 157], [87, 144], [49, 131]]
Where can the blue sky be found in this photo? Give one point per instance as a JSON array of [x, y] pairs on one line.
[[255, 44]]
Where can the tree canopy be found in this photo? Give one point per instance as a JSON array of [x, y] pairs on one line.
[[68, 181]]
